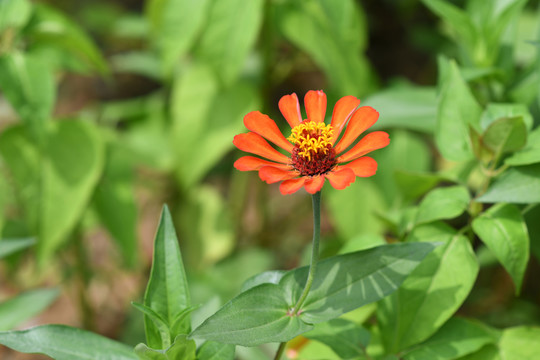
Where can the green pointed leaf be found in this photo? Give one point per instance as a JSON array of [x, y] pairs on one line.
[[66, 343], [458, 337], [27, 83], [71, 170], [433, 291], [211, 350], [231, 30], [341, 285], [347, 339], [257, 316], [159, 323], [167, 292], [10, 246], [530, 154], [518, 185], [443, 203], [457, 111], [14, 14], [415, 184], [505, 135], [25, 306], [494, 112], [267, 277], [504, 232]]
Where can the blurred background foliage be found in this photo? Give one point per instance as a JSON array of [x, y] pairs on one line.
[[109, 109]]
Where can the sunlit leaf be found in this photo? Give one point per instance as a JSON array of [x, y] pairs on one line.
[[518, 185], [212, 350], [66, 343], [504, 232], [14, 14], [443, 203]]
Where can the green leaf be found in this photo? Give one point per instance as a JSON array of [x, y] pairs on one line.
[[231, 31], [50, 28], [66, 343], [347, 339], [75, 155], [412, 185], [159, 323], [528, 155], [28, 84], [14, 14], [340, 285], [167, 291], [458, 337], [460, 22], [211, 350], [433, 291], [443, 203], [10, 246], [267, 277], [174, 26], [504, 232], [181, 349], [505, 135], [488, 352], [405, 107], [457, 111], [257, 316], [114, 201], [520, 343], [494, 112], [518, 185], [25, 306], [324, 29]]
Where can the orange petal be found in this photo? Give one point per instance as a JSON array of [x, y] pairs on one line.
[[290, 108], [363, 167], [315, 103], [255, 144], [370, 142], [248, 163], [267, 128], [291, 186], [341, 178], [361, 120], [271, 174], [314, 184], [342, 111]]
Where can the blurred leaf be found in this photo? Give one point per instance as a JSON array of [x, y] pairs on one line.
[[466, 33], [10, 246], [531, 217], [25, 306], [353, 210], [458, 337], [14, 14], [114, 201], [231, 30], [137, 62], [174, 26], [520, 343], [181, 349], [362, 242], [504, 232], [518, 185], [457, 110], [27, 83], [530, 154], [405, 107], [344, 337], [66, 343], [267, 277], [211, 350], [206, 119], [167, 291], [433, 291], [443, 203], [51, 28], [340, 285], [71, 170], [494, 112], [488, 352], [505, 135], [333, 34], [257, 316], [412, 185]]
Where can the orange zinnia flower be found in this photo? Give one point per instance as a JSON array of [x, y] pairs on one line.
[[314, 154]]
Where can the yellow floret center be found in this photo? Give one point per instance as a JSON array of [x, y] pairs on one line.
[[312, 138]]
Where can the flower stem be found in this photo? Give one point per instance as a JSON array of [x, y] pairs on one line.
[[280, 350], [316, 199]]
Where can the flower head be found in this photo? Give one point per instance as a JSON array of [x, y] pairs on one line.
[[314, 154]]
